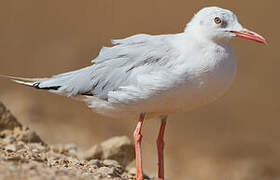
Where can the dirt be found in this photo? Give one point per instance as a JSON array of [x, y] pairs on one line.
[[23, 155]]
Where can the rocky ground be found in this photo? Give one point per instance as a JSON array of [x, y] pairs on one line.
[[23, 155]]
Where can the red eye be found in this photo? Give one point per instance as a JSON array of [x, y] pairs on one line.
[[217, 20]]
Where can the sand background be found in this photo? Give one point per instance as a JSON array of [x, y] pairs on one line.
[[236, 137]]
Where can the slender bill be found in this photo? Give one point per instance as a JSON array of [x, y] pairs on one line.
[[247, 34]]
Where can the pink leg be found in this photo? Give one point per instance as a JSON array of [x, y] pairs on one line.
[[137, 141], [160, 147]]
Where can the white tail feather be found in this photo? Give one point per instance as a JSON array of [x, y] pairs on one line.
[[23, 81]]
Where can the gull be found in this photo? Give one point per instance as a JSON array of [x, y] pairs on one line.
[[151, 76]]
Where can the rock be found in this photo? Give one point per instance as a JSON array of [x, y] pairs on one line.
[[26, 135], [95, 152], [14, 158], [11, 148], [106, 170], [66, 149], [7, 120], [95, 163], [71, 147], [9, 139], [132, 171], [120, 149], [5, 133], [11, 128], [111, 163]]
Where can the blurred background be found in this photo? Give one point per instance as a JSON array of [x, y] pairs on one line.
[[234, 138]]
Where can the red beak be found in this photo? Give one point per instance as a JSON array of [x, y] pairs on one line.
[[247, 34]]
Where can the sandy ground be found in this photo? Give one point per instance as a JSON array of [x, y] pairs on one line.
[[23, 155]]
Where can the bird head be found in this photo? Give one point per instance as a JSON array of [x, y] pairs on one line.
[[219, 24]]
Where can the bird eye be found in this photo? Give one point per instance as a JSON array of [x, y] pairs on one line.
[[217, 20]]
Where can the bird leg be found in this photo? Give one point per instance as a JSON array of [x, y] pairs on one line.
[[137, 141], [160, 147]]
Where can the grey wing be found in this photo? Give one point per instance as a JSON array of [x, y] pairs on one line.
[[119, 67], [117, 71]]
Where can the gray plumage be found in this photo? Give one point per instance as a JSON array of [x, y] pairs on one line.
[[115, 66]]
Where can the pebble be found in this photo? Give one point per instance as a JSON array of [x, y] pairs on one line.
[[95, 162], [10, 148], [9, 139], [111, 163], [119, 148]]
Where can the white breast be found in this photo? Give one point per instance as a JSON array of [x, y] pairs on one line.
[[206, 80]]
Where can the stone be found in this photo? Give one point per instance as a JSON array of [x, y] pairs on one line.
[[111, 163], [11, 148], [7, 120], [9, 139], [118, 148], [26, 135], [95, 152], [95, 162]]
